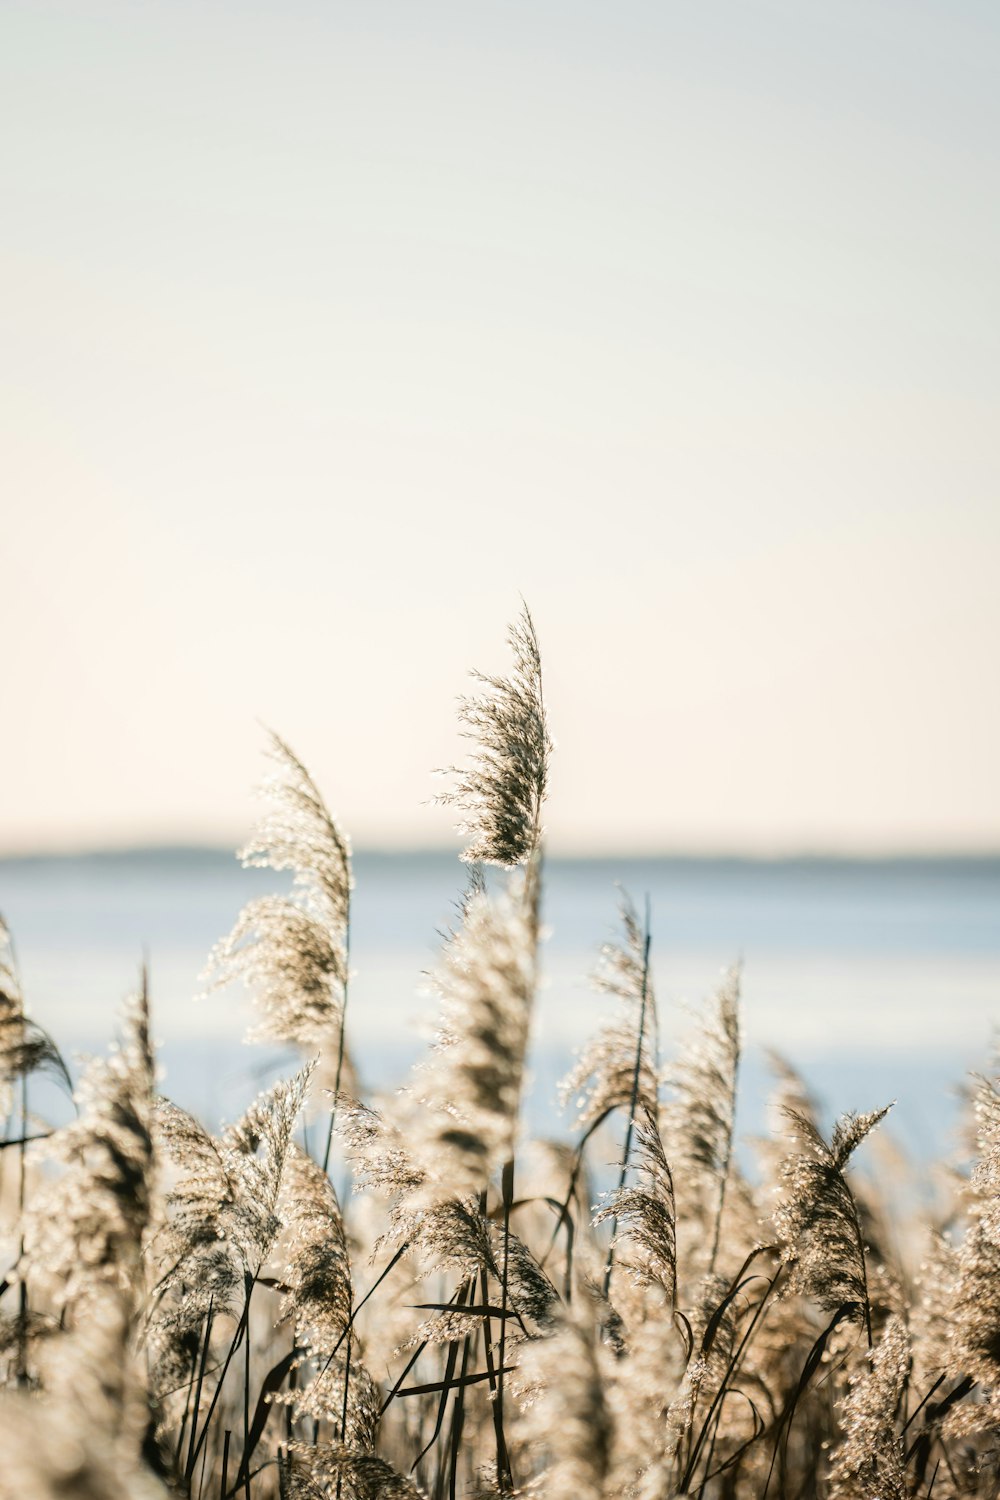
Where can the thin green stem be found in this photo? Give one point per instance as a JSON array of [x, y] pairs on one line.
[[22, 1293], [634, 1099], [507, 1189], [504, 1477], [200, 1380], [340, 1044], [246, 1399], [242, 1328]]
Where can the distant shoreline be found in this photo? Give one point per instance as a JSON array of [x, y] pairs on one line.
[[178, 856]]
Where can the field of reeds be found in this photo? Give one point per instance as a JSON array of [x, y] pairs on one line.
[[468, 1313]]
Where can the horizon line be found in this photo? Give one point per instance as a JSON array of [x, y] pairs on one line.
[[786, 854]]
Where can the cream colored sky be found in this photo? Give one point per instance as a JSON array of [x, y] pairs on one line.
[[327, 329]]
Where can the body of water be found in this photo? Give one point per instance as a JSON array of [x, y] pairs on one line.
[[879, 979]]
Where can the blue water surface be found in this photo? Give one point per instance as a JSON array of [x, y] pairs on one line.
[[879, 978]]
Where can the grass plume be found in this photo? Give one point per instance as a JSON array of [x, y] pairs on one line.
[[200, 1313], [502, 788]]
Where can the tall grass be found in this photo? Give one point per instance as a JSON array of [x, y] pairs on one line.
[[198, 1314]]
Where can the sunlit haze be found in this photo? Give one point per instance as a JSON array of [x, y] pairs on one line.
[[329, 331]]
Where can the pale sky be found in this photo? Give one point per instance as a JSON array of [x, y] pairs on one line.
[[327, 330]]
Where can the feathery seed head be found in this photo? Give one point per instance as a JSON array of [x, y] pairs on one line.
[[25, 1047], [976, 1309], [645, 1214], [300, 834], [817, 1219], [471, 1085], [503, 787], [567, 1418], [292, 951], [699, 1116], [222, 1214], [85, 1230], [322, 1470], [868, 1465], [699, 1119], [318, 1272], [606, 1075]]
